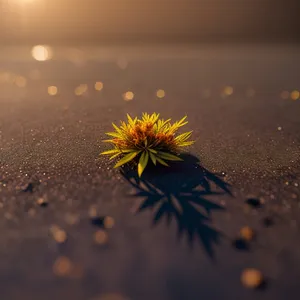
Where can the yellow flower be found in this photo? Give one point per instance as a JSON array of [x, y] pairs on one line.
[[148, 138]]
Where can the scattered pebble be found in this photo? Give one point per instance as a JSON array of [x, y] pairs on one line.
[[71, 219], [62, 266], [93, 212], [43, 202], [100, 237], [241, 244], [254, 202], [109, 222], [59, 235], [97, 221], [268, 222], [31, 212], [252, 278], [8, 216], [28, 188], [247, 233]]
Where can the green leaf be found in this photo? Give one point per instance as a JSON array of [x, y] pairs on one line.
[[114, 134], [154, 117], [108, 141], [185, 144], [162, 161], [128, 150], [182, 121], [113, 151], [115, 155], [168, 156], [127, 158], [143, 162], [118, 130], [130, 121], [183, 137], [153, 158], [153, 151]]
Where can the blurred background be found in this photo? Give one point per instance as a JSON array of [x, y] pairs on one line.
[[119, 21]]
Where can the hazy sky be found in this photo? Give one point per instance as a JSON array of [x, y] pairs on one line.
[[195, 18]]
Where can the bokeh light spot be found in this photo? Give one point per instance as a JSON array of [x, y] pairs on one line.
[[35, 74], [295, 95], [81, 89], [41, 53], [250, 93], [98, 86], [160, 93], [122, 63], [100, 237], [52, 90], [62, 266], [20, 81], [285, 95], [128, 96], [228, 91]]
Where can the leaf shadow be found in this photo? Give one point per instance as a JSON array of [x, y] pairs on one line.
[[181, 193]]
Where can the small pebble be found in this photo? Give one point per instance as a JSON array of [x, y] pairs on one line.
[[100, 237], [31, 212], [252, 278], [93, 212], [268, 222], [43, 202], [254, 202], [71, 219], [241, 244], [59, 235], [109, 222], [247, 233], [62, 266], [97, 221], [28, 188]]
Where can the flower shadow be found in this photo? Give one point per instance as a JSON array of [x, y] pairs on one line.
[[180, 192]]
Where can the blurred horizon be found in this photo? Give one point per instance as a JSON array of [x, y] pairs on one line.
[[121, 21]]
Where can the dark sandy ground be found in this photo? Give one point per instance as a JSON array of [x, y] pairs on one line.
[[157, 249]]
